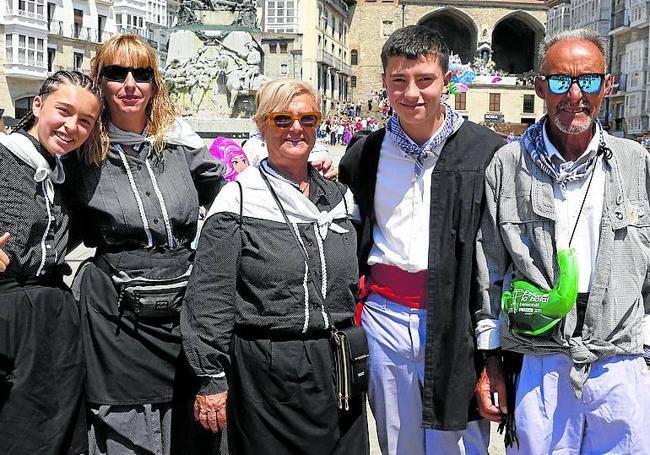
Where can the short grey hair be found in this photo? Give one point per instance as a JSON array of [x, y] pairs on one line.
[[582, 34]]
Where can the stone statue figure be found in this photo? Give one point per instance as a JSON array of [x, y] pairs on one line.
[[186, 14], [247, 14], [253, 62]]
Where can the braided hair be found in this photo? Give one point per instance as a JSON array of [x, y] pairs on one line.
[[91, 149]]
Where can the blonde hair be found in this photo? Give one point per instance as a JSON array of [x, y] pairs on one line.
[[277, 95], [132, 51]]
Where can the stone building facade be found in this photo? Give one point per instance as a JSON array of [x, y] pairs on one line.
[[504, 32], [313, 36]]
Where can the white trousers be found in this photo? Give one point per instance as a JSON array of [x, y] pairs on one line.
[[396, 341], [613, 416]]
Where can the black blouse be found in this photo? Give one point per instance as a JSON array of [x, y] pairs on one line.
[[105, 202], [24, 215], [249, 278]]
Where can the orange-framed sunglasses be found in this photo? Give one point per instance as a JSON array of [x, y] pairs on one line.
[[285, 119]]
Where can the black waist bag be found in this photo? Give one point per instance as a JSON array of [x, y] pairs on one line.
[[155, 288], [350, 348]]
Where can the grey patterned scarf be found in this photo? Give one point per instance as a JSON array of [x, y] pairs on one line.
[[533, 142], [179, 133]]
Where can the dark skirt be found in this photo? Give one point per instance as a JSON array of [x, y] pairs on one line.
[[282, 400], [132, 361], [41, 370]]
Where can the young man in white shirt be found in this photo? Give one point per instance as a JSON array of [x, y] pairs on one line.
[[418, 183]]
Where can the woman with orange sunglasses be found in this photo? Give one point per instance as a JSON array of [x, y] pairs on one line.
[[275, 270]]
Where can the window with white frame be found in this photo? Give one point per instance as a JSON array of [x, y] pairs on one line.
[[635, 81], [281, 16], [171, 17], [635, 56], [25, 50], [9, 48], [40, 52], [32, 8], [22, 49], [633, 104], [78, 60], [633, 124]]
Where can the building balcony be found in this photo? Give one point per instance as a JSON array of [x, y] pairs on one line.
[[17, 16], [637, 124], [619, 23], [58, 28], [130, 5], [24, 13], [104, 36], [84, 34], [325, 57], [339, 5], [345, 69], [134, 30], [163, 47], [639, 14], [25, 68]]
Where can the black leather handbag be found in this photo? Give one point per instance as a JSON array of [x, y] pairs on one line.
[[350, 347]]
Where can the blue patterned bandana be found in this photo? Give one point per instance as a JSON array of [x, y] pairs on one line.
[[451, 123], [533, 141]]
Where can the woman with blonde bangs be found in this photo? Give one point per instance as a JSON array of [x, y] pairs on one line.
[[275, 273], [138, 206]]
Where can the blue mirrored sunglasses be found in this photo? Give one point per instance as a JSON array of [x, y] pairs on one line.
[[560, 84]]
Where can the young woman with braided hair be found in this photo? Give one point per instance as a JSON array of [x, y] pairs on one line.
[[41, 368]]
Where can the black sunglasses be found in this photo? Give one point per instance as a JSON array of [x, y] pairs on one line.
[[117, 73]]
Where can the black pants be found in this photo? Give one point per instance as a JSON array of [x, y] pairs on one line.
[[41, 370], [282, 401]]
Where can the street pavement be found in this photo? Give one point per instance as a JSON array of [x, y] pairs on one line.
[[336, 152]]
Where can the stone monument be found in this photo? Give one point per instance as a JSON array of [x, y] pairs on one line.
[[214, 65]]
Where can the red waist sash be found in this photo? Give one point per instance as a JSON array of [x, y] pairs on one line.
[[406, 288]]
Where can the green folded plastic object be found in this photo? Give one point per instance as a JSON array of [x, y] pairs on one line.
[[534, 311]]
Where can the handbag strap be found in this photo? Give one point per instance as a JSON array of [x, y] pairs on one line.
[[241, 203]]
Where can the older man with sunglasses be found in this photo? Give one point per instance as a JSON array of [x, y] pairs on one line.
[[563, 252]]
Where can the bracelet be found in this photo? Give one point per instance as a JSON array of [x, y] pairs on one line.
[[646, 354]]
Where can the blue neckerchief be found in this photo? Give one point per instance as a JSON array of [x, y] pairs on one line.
[[533, 142], [420, 154]]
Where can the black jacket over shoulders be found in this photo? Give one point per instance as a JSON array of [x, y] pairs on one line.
[[450, 370]]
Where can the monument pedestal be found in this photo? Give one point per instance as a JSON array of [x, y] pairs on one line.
[[214, 68]]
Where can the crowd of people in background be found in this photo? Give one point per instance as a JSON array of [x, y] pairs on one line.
[[339, 131]]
